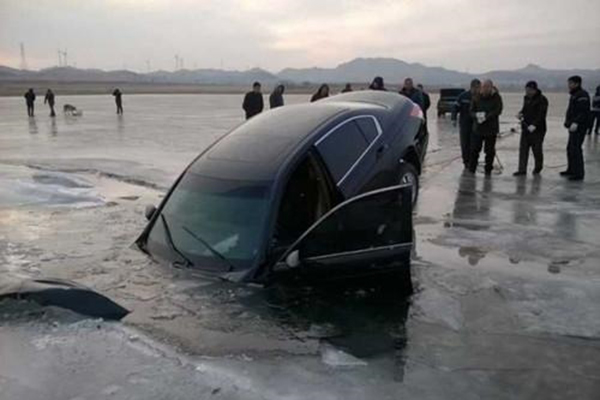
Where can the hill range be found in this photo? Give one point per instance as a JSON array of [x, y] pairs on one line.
[[360, 70]]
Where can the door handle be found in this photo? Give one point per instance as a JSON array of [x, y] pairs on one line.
[[381, 150]]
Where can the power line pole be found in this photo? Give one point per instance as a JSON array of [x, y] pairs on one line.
[[176, 62], [23, 59]]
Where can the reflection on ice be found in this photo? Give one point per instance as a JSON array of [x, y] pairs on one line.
[[33, 129]]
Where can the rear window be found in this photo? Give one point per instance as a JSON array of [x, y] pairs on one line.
[[451, 92], [342, 148]]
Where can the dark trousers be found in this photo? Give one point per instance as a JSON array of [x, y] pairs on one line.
[[119, 107], [575, 154], [594, 120], [30, 109], [533, 141], [466, 131], [488, 143], [52, 113]]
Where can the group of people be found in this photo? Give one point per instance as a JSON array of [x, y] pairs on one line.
[[479, 109], [50, 100], [253, 101], [478, 112]]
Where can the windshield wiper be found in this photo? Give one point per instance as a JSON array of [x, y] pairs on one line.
[[171, 244], [210, 248]]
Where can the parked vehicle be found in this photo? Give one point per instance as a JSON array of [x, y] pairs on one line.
[[325, 188], [447, 100]]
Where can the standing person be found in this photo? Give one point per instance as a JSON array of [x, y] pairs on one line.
[[533, 128], [50, 100], [426, 100], [118, 100], [595, 113], [410, 91], [485, 110], [347, 88], [378, 84], [576, 121], [253, 101], [321, 93], [30, 99], [466, 121], [276, 98]]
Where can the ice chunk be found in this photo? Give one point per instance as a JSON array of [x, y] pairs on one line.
[[338, 358]]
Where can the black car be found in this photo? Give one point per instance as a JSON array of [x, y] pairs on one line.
[[447, 100], [324, 188]]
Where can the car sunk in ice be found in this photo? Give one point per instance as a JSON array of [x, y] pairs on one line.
[[322, 189]]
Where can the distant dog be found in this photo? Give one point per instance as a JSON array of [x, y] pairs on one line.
[[70, 109]]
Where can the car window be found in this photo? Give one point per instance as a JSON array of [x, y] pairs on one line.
[[368, 128], [342, 148]]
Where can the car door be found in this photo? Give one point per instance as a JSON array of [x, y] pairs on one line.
[[366, 232], [351, 150]]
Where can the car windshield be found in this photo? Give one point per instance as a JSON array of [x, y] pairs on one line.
[[227, 215]]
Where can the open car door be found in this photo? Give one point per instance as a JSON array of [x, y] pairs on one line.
[[368, 231]]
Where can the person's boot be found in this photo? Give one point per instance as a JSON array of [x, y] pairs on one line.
[[520, 173], [537, 171], [576, 178], [566, 173]]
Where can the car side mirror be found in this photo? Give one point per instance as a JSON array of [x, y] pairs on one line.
[[149, 211], [293, 259]]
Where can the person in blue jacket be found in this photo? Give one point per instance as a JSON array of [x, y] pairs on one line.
[[410, 91], [462, 108], [576, 121]]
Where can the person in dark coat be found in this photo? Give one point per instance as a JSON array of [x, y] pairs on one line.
[[576, 121], [378, 84], [485, 110], [595, 119], [426, 100], [533, 128], [118, 100], [321, 93], [276, 98], [347, 88], [462, 107], [253, 101], [29, 100], [50, 100], [413, 93]]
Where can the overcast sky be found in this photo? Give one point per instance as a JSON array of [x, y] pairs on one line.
[[468, 35]]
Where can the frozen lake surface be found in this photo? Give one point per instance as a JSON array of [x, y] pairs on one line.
[[506, 269]]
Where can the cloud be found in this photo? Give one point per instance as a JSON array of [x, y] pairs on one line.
[[239, 34]]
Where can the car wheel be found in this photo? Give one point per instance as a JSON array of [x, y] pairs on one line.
[[408, 175]]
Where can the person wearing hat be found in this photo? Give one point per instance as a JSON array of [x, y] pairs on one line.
[[533, 128], [253, 101], [276, 97], [377, 84]]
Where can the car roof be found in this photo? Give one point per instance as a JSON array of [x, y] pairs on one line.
[[257, 149]]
